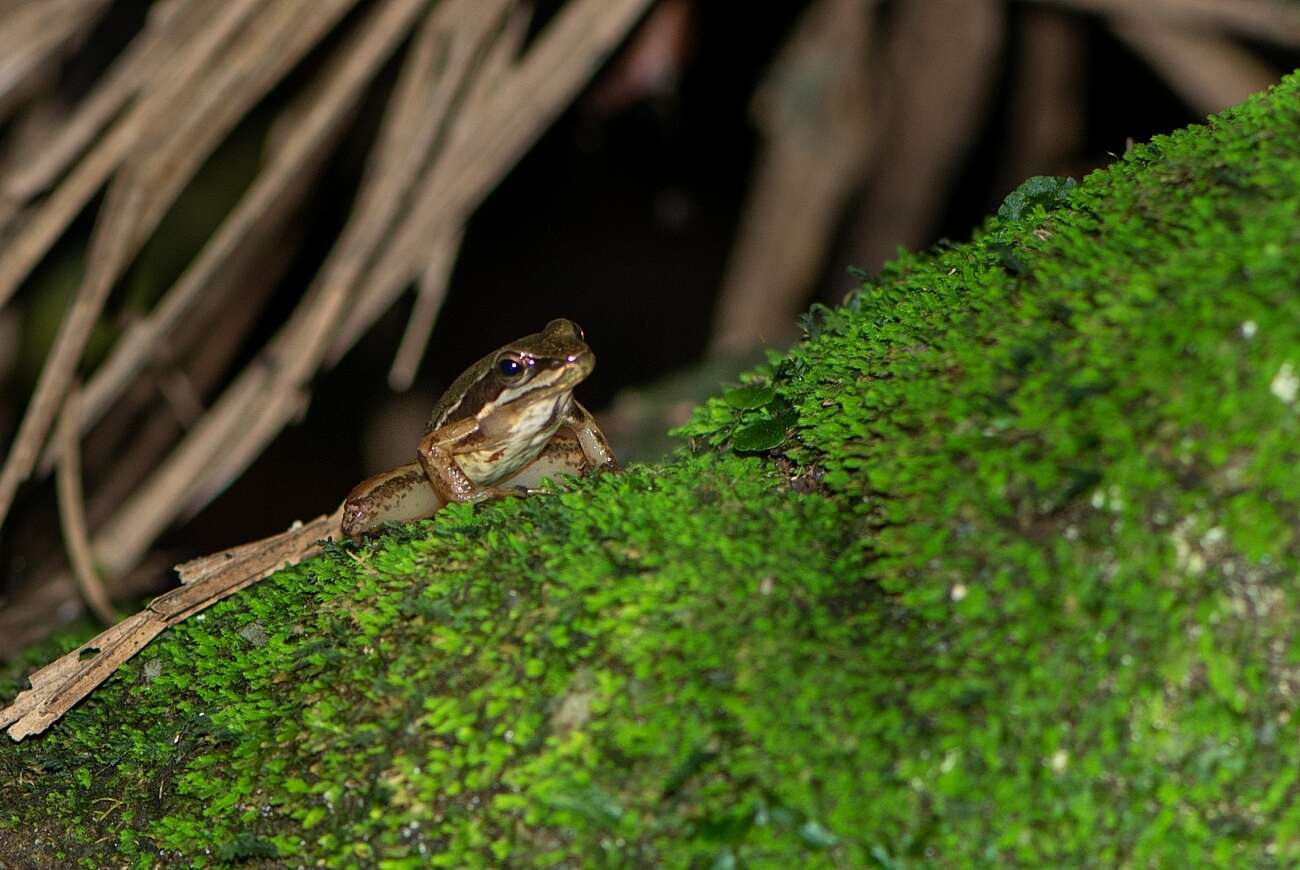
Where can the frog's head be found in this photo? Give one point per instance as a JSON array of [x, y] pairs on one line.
[[544, 364], [514, 385]]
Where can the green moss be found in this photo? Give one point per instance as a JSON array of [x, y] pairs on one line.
[[1016, 585]]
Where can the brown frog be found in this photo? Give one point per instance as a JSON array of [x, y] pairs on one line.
[[506, 424]]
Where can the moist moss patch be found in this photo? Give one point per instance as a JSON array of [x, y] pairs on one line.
[[998, 566]]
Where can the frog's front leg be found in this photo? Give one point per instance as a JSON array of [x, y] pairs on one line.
[[594, 445], [437, 455], [399, 495]]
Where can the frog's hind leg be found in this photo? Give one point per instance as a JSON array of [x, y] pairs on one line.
[[399, 495]]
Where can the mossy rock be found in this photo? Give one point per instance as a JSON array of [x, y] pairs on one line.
[[1004, 571]]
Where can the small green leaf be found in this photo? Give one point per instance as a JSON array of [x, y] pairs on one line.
[[760, 435], [747, 398], [1049, 191]]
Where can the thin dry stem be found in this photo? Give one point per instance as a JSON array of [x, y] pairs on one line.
[[270, 200], [148, 183], [32, 37], [72, 514], [428, 302], [500, 122], [52, 217], [263, 398], [414, 124]]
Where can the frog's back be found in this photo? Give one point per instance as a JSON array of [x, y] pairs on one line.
[[464, 396]]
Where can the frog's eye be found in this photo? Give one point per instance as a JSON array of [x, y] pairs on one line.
[[510, 368]]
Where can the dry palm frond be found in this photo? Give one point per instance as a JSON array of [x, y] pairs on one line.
[[468, 101]]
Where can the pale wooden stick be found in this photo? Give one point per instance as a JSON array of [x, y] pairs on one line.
[[53, 216], [114, 242], [501, 118], [33, 36], [423, 106]]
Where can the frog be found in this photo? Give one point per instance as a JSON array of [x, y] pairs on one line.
[[507, 424]]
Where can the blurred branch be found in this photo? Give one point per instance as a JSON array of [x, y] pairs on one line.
[[501, 120], [50, 218], [1046, 126], [813, 112], [138, 196], [170, 27], [269, 392], [1208, 70], [270, 200], [430, 84], [419, 326], [942, 56], [1276, 21]]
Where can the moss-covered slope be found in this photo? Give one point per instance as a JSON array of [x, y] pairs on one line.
[[1018, 585]]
